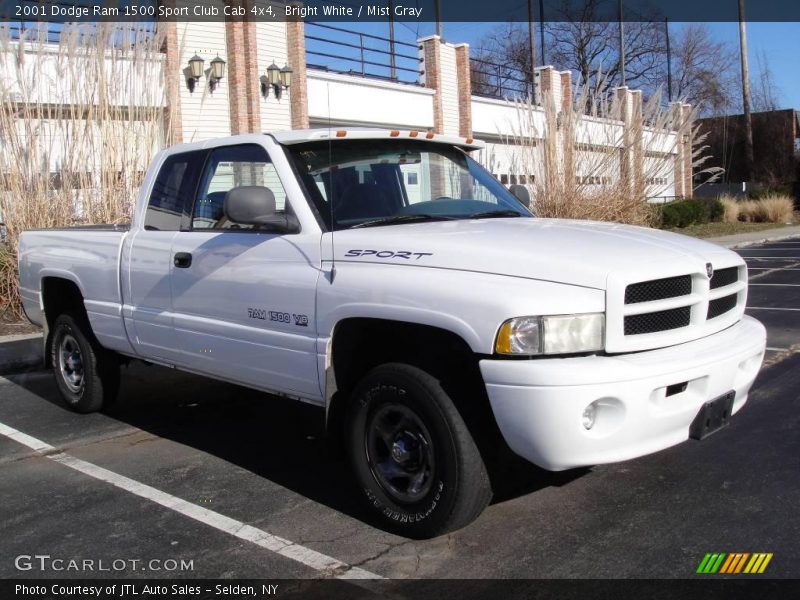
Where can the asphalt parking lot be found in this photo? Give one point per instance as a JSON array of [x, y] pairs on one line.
[[240, 484]]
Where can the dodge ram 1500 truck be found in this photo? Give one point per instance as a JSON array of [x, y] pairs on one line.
[[389, 278]]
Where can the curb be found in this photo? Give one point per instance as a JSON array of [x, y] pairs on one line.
[[20, 353], [744, 243]]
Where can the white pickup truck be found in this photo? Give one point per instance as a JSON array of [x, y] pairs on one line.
[[387, 277]]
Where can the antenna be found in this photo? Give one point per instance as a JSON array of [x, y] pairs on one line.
[[330, 182]]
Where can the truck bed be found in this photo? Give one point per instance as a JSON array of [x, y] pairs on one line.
[[88, 256]]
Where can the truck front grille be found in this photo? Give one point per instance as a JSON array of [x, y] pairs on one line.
[[724, 277], [663, 320], [720, 306], [658, 289], [672, 309]]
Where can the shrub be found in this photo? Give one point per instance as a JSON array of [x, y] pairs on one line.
[[688, 212]]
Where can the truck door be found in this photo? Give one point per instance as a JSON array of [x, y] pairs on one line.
[[147, 260], [243, 297]]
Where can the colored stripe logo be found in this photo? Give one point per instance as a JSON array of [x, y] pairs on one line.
[[734, 563]]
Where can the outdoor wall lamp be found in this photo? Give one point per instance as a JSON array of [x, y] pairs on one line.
[[195, 72], [217, 73], [685, 138], [277, 78]]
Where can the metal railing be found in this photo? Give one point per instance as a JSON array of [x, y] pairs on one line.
[[495, 80], [340, 50]]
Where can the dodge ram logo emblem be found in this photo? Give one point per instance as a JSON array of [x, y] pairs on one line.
[[709, 270]]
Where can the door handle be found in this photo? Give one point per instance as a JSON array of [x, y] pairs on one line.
[[182, 260]]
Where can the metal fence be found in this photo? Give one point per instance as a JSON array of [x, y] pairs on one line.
[[495, 80], [340, 50]]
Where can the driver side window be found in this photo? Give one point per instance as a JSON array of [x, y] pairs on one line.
[[227, 168]]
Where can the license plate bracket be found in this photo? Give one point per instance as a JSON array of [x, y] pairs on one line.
[[713, 416]]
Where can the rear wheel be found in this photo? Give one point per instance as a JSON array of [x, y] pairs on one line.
[[412, 454], [87, 375]]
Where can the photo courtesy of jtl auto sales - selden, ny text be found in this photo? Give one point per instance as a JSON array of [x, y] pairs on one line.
[[399, 299]]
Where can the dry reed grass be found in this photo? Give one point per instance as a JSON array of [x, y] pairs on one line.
[[732, 209], [606, 172], [79, 123]]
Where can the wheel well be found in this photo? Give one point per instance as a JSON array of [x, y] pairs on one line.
[[59, 296], [361, 344]]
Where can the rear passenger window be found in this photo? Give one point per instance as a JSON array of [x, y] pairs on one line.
[[170, 199], [231, 167]]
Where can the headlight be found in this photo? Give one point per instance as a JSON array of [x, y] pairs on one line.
[[558, 334]]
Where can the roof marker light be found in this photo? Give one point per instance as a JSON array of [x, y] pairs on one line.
[[394, 133], [413, 133], [341, 133], [429, 135]]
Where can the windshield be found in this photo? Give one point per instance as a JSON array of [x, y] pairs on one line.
[[363, 183]]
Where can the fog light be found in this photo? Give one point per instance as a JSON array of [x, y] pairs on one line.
[[589, 415]]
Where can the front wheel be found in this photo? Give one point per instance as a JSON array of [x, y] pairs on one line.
[[412, 454], [87, 375]]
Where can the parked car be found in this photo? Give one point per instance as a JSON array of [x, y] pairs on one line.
[[387, 277]]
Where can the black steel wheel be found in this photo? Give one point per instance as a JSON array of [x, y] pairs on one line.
[[86, 374], [412, 454]]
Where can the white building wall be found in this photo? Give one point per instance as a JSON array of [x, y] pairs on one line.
[[204, 114], [449, 89], [348, 100], [271, 40]]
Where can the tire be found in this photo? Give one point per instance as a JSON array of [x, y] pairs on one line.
[[86, 374], [412, 454]]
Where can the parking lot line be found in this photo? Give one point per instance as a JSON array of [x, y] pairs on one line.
[[770, 308], [327, 566], [776, 284], [776, 349], [771, 269]]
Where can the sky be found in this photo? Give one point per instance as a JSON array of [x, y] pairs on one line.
[[779, 42]]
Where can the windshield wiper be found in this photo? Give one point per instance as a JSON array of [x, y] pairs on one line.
[[402, 219], [492, 214]]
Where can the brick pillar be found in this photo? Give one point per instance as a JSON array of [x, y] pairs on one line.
[[173, 76], [634, 126], [431, 76], [675, 124], [298, 93], [242, 72], [252, 83], [464, 91], [686, 167], [567, 120], [546, 83], [622, 110], [566, 90]]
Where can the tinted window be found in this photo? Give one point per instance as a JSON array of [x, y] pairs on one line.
[[173, 191], [231, 167], [357, 182]]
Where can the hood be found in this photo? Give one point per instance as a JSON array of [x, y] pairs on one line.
[[580, 253]]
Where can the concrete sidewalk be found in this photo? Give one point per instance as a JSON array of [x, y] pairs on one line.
[[741, 240]]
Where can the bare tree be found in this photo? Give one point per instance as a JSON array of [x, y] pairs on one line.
[[705, 73], [766, 94], [704, 69]]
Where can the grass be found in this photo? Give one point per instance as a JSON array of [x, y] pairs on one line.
[[710, 230]]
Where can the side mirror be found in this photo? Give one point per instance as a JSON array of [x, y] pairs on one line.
[[522, 194], [255, 205]]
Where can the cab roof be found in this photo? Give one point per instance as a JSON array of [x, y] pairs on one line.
[[299, 136]]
